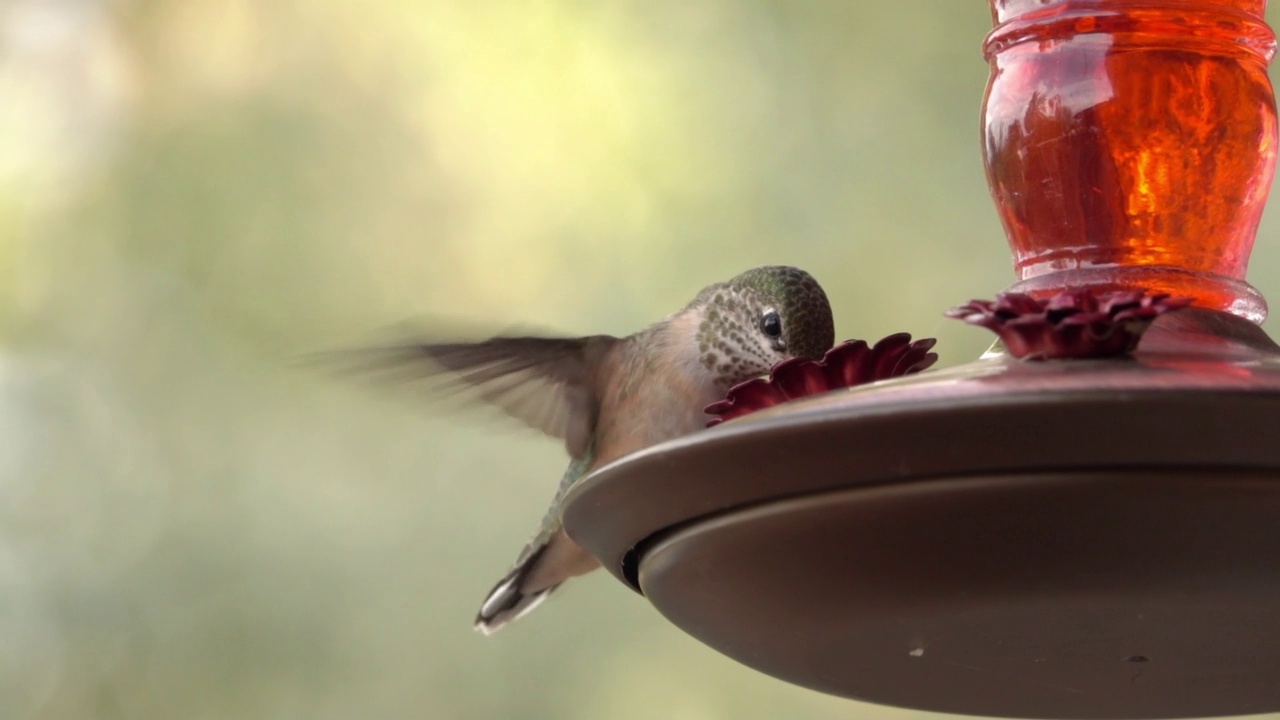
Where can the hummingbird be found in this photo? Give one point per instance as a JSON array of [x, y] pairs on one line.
[[606, 397]]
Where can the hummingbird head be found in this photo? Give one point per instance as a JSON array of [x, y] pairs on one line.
[[759, 318]]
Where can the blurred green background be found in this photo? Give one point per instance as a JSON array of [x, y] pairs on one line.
[[194, 191]]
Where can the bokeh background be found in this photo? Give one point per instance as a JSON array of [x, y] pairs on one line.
[[193, 192]]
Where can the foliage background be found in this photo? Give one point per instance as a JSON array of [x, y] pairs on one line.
[[193, 191]]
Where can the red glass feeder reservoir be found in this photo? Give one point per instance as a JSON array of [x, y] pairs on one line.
[[1056, 537]]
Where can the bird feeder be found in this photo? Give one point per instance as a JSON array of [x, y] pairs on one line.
[[1062, 538]]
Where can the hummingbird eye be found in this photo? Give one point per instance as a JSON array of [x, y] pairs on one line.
[[771, 324]]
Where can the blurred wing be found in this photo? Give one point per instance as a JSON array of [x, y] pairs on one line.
[[545, 382]]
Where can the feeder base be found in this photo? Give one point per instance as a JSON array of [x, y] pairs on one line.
[[1083, 539]]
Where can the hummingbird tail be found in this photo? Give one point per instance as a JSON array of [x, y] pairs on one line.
[[547, 561], [506, 601]]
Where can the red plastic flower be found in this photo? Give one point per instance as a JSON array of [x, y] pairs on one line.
[[1078, 324], [850, 363]]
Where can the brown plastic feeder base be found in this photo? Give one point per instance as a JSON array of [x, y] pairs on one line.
[[1084, 539]]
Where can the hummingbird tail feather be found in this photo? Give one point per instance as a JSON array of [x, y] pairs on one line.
[[506, 601]]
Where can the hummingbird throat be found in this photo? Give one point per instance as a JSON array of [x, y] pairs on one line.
[[730, 346]]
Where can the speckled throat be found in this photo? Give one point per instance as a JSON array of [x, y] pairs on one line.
[[727, 347]]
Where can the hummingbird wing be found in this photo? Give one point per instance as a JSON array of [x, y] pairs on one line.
[[547, 383]]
